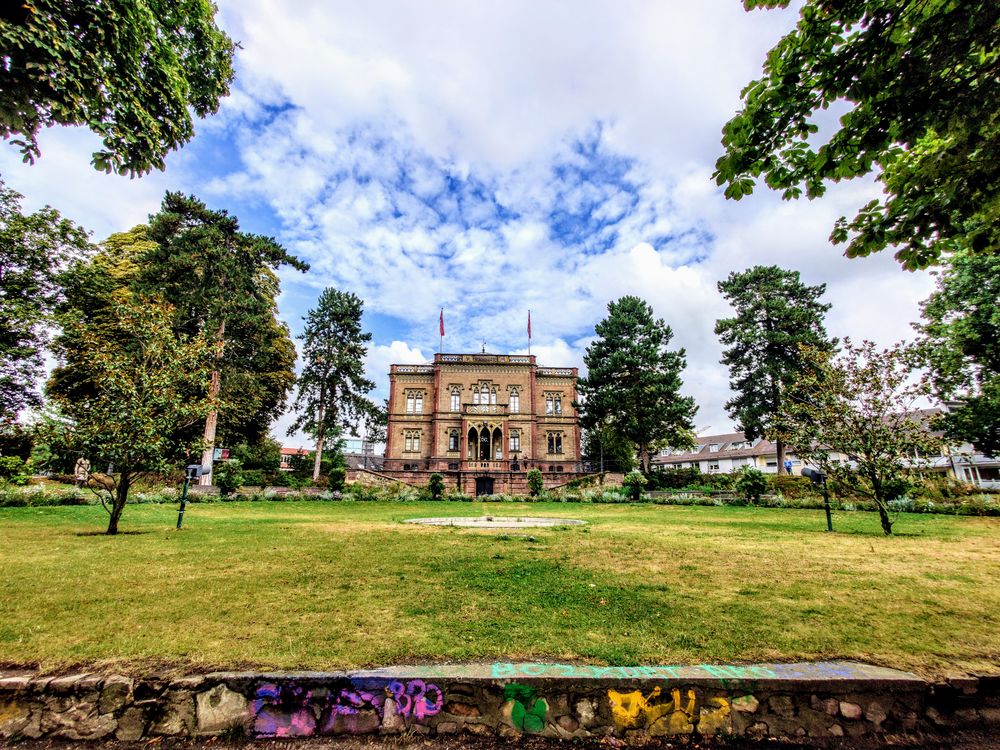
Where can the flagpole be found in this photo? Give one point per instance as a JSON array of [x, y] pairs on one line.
[[441, 331], [529, 333]]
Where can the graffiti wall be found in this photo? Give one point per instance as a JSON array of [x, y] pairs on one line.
[[551, 700], [292, 710]]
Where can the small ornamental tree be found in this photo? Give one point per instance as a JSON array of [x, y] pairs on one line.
[[535, 482], [751, 483], [147, 389], [854, 416], [634, 482], [436, 486]]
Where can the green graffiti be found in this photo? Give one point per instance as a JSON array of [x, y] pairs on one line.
[[528, 710]]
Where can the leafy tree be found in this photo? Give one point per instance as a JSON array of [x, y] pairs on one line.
[[605, 448], [436, 486], [960, 343], [634, 482], [258, 368], [264, 455], [536, 483], [920, 81], [146, 387], [228, 476], [633, 381], [133, 71], [775, 314], [332, 389], [34, 248], [751, 483], [861, 405], [222, 281]]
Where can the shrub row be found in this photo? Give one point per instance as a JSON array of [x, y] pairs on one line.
[[976, 505]]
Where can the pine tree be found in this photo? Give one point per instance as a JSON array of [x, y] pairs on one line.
[[222, 281], [775, 314], [332, 389], [633, 381]]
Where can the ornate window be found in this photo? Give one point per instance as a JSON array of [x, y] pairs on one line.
[[411, 441], [515, 440], [475, 394], [515, 402], [554, 442], [493, 395], [456, 399], [549, 405], [558, 404], [414, 402], [453, 440]]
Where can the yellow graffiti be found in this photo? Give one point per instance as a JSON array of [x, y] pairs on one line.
[[634, 709], [713, 720]]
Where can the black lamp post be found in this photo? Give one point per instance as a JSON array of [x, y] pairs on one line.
[[191, 472], [818, 477]]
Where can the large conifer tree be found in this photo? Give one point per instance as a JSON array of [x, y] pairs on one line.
[[222, 281], [775, 314], [633, 381], [332, 389]]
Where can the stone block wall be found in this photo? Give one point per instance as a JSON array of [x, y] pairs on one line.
[[557, 701]]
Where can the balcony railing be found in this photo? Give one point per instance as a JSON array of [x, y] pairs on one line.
[[484, 408]]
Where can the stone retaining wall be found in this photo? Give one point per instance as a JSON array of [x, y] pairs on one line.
[[551, 700]]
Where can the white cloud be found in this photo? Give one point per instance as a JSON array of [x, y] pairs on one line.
[[491, 159]]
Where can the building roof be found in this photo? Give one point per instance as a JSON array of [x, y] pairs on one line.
[[759, 447]]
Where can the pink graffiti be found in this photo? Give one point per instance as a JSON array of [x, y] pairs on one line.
[[271, 718], [416, 698]]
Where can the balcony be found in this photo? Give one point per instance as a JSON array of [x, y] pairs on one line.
[[484, 409]]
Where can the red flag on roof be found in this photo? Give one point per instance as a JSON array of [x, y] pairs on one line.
[[441, 326]]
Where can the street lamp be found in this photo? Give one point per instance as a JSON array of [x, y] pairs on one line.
[[191, 472], [818, 477]]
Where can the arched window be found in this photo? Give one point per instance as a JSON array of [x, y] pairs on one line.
[[453, 440], [475, 394], [456, 400], [548, 404], [515, 402], [558, 404], [493, 395]]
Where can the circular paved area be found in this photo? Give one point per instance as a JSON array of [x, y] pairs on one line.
[[496, 522]]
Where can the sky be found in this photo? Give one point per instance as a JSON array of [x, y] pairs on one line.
[[493, 159]]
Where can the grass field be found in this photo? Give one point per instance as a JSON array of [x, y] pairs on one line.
[[330, 585]]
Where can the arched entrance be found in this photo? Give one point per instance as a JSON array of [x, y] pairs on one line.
[[484, 486], [485, 442]]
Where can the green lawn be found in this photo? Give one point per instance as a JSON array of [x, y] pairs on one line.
[[327, 585]]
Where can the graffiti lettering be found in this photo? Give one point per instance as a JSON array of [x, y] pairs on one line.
[[289, 710], [525, 710], [634, 710], [507, 670], [416, 699]]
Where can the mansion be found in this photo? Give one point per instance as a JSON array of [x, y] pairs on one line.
[[482, 421]]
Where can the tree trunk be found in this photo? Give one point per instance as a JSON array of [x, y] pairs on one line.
[[121, 497], [883, 516], [779, 445], [320, 434], [644, 458], [212, 420]]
